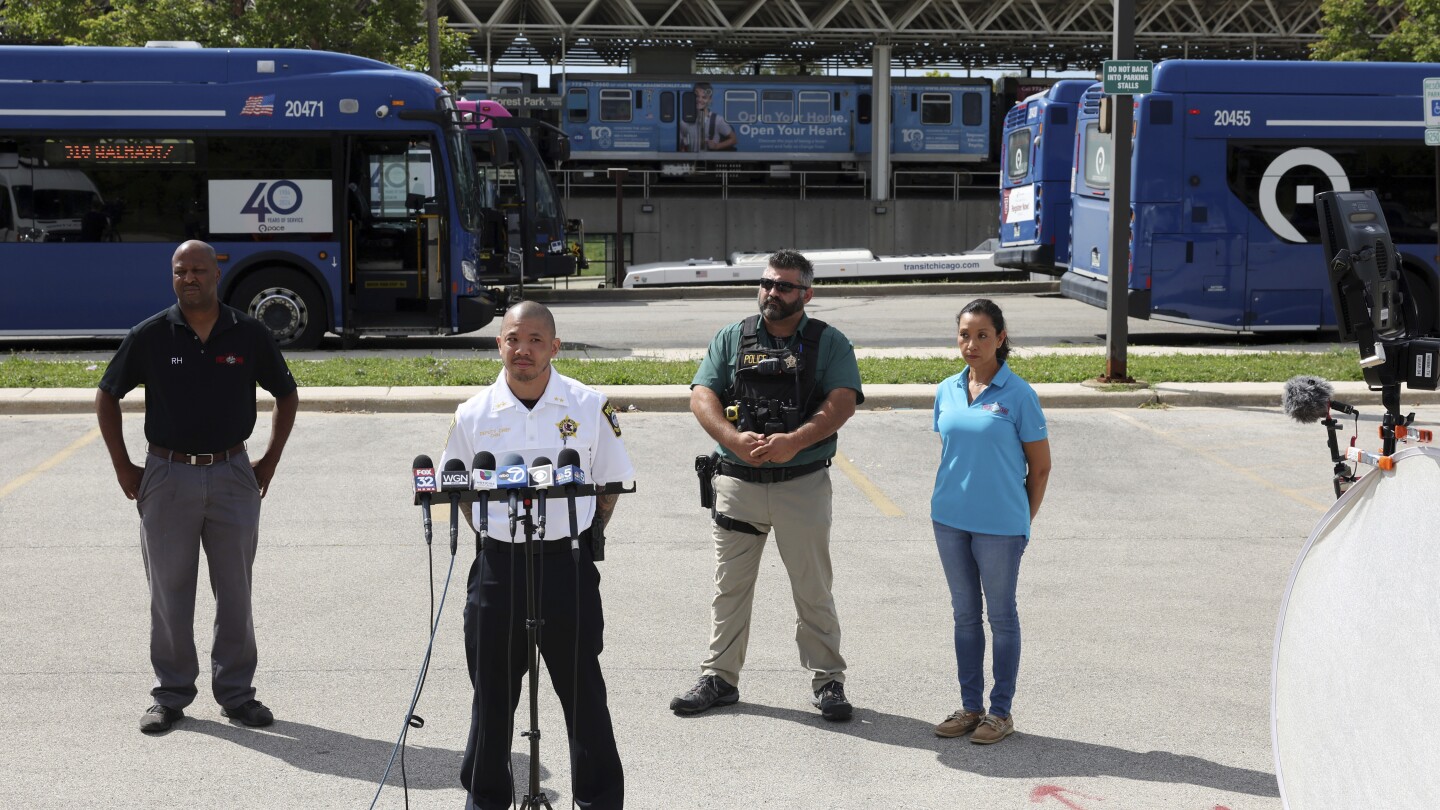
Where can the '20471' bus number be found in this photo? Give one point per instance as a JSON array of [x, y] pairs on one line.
[[1232, 118], [304, 109]]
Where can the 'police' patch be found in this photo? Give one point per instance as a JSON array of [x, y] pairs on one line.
[[609, 411]]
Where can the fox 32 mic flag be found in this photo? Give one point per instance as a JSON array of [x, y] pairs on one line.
[[1355, 688]]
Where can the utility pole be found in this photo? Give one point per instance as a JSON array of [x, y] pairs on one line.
[[616, 278], [432, 24], [1117, 333]]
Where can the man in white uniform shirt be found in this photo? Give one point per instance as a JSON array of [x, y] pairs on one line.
[[534, 411]]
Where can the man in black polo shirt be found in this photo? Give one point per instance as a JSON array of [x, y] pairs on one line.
[[199, 362]]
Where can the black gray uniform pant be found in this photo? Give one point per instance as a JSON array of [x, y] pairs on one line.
[[183, 508], [495, 614]]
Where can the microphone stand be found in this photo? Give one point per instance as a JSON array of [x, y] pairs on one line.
[[534, 798]]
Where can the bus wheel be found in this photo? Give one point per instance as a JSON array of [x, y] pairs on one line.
[[1424, 306], [288, 304]]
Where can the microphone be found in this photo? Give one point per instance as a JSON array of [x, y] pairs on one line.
[[1307, 399], [453, 481], [540, 479], [482, 480], [569, 475], [422, 473], [512, 476]]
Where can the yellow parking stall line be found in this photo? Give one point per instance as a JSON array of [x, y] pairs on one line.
[[886, 506], [51, 462], [1217, 458]]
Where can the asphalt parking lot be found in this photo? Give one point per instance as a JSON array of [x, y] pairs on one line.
[[1148, 597]]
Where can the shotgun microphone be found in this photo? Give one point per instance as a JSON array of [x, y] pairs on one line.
[[569, 474], [422, 474], [453, 481], [540, 477], [512, 476], [482, 480], [1307, 399]]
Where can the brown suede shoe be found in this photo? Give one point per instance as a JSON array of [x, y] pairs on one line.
[[959, 722], [993, 729]]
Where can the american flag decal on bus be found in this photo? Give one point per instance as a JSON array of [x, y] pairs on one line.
[[259, 105]]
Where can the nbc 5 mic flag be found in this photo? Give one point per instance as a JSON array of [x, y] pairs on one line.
[[259, 105]]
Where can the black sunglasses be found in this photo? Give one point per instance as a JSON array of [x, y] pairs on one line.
[[768, 284]]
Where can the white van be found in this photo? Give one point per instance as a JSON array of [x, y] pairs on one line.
[[46, 205]]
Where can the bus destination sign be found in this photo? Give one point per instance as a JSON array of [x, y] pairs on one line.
[[119, 151], [1127, 77]]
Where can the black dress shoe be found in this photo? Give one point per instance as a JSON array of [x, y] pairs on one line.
[[252, 713], [159, 718]]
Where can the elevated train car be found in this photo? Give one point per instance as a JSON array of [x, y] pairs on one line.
[[684, 123]]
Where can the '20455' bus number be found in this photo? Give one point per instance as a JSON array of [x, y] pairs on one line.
[[304, 109], [1232, 118]]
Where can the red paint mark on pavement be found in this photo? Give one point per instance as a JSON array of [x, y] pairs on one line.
[[1042, 792]]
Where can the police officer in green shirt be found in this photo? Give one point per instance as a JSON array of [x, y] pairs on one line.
[[773, 391]]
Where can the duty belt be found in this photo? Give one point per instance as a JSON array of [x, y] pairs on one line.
[[197, 459], [769, 475]]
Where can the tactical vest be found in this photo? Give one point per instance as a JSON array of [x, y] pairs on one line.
[[775, 390]]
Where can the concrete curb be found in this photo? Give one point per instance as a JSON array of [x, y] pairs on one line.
[[676, 398], [550, 295]]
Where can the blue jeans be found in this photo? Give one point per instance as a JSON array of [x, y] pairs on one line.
[[989, 564]]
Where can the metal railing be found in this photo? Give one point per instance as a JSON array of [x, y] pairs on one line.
[[729, 183]]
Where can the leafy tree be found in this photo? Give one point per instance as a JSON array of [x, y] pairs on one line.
[[388, 30], [1346, 31], [47, 22], [1416, 37]]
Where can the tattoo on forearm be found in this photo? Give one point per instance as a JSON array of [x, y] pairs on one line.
[[604, 508]]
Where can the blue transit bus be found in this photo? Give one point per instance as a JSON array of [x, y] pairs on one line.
[[679, 120], [339, 192], [516, 183], [1228, 158], [1036, 157]]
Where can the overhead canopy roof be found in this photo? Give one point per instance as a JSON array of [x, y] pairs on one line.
[[997, 34]]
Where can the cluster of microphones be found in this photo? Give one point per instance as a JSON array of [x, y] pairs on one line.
[[521, 482]]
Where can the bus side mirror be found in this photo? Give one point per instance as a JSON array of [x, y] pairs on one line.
[[1105, 122], [554, 147], [499, 149]]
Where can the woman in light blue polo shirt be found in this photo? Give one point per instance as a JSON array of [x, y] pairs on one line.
[[994, 464]]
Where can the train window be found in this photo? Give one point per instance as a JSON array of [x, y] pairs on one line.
[[639, 100], [777, 106], [814, 107], [740, 106], [972, 110], [1017, 154], [687, 107], [862, 108], [667, 106], [935, 108], [578, 104], [615, 105]]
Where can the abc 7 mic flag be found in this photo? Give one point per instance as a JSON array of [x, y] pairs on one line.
[[1356, 681]]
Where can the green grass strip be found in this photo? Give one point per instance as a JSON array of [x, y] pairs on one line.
[[1339, 365]]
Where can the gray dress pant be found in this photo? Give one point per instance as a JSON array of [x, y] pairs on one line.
[[182, 508]]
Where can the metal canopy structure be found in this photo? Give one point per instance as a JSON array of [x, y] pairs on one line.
[[995, 34]]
